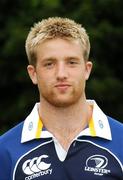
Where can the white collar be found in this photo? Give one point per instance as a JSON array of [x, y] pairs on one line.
[[98, 125]]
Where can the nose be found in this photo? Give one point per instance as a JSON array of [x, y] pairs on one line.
[[61, 72]]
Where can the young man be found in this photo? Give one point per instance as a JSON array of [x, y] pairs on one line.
[[65, 137]]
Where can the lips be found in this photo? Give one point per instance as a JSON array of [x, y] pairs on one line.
[[62, 86]]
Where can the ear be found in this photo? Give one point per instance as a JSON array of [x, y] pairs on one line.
[[32, 73], [88, 66]]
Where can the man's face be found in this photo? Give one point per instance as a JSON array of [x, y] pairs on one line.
[[60, 72]]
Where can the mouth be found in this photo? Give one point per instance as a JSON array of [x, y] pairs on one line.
[[62, 86]]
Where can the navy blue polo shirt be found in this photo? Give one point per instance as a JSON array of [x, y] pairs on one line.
[[30, 152]]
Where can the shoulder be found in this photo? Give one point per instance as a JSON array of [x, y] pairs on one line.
[[116, 128], [115, 125], [9, 143], [116, 144], [11, 136]]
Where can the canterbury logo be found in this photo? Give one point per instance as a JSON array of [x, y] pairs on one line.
[[98, 161], [35, 165]]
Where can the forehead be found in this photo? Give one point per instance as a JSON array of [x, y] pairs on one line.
[[56, 47]]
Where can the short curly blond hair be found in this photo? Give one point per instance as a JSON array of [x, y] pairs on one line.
[[55, 27]]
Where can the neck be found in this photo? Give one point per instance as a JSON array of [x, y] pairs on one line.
[[65, 123]]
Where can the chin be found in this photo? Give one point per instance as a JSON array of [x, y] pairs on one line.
[[63, 103], [62, 100]]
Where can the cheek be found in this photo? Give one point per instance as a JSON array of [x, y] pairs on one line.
[[80, 76], [80, 80], [44, 82]]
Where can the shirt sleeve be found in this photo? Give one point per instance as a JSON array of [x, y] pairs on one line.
[[5, 163]]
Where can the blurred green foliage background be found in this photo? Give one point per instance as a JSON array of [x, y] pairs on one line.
[[103, 20]]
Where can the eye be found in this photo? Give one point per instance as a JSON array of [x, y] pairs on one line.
[[48, 64], [72, 61]]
